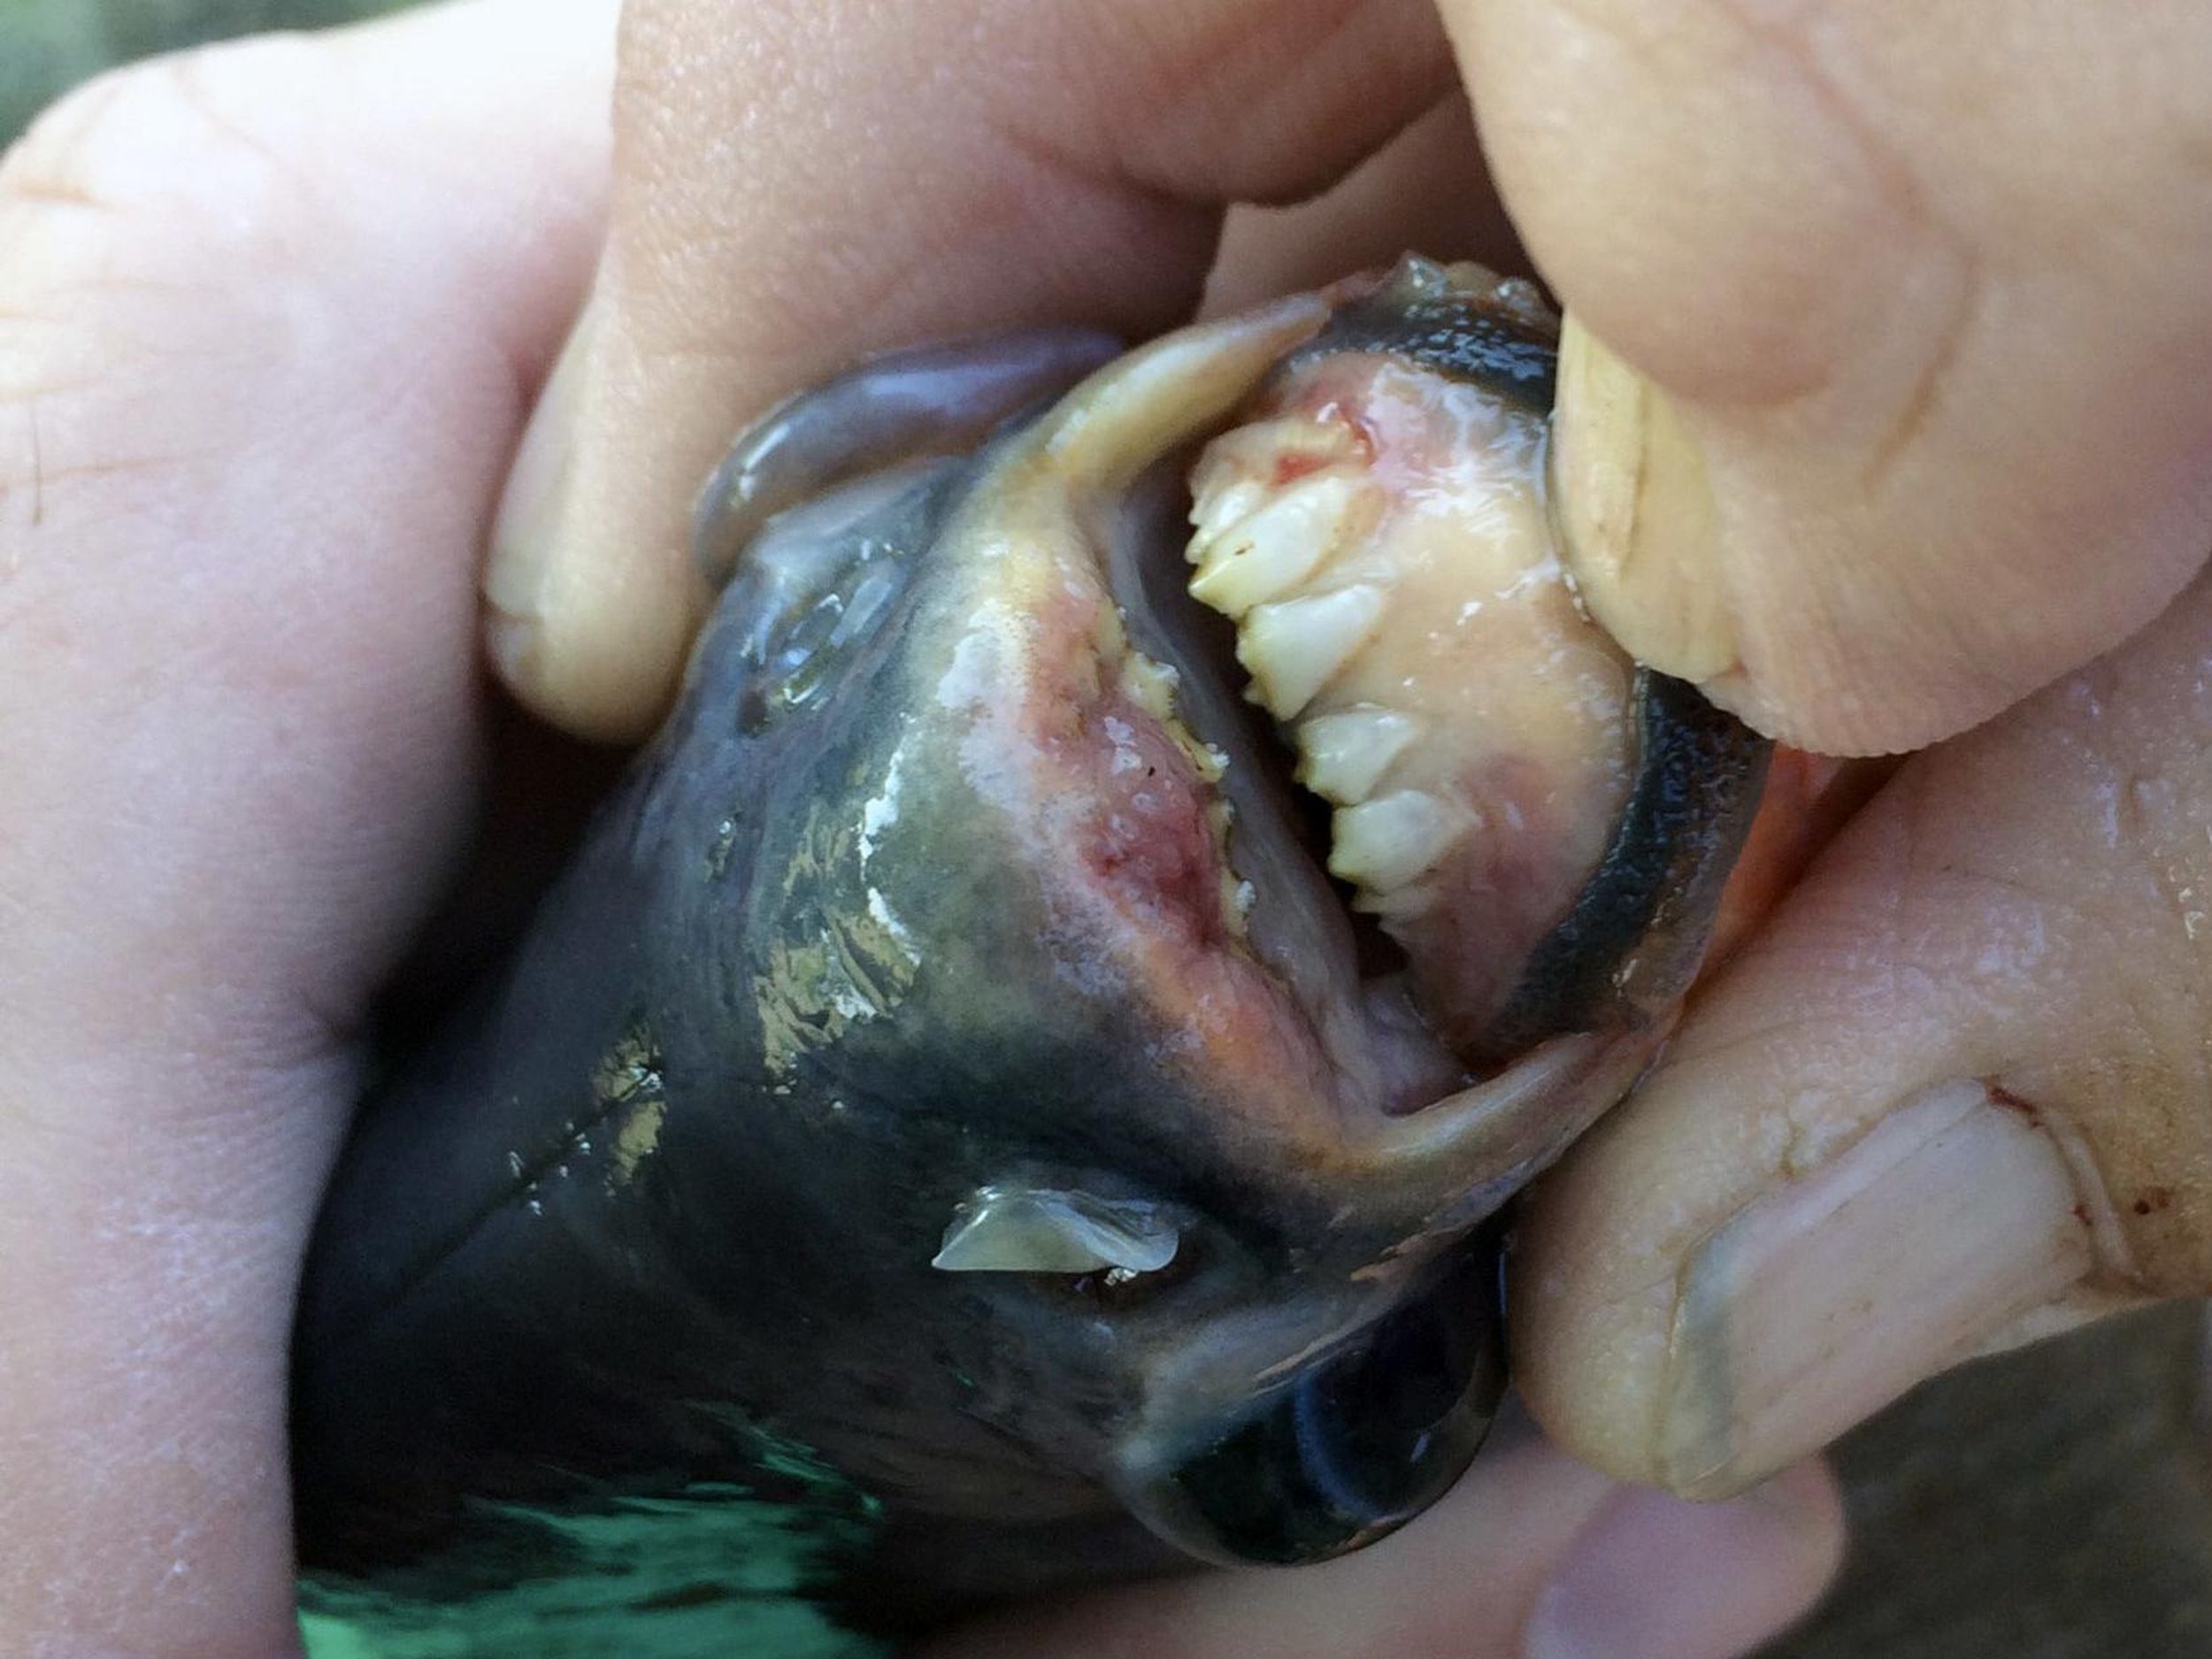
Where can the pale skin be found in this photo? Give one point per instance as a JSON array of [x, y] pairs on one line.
[[1921, 295]]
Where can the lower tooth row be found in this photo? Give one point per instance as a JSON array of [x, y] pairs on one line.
[[1386, 843], [1344, 756], [1258, 548], [1294, 646]]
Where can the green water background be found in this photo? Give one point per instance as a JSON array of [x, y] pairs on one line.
[[47, 46]]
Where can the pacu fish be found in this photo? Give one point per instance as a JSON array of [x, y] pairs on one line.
[[1148, 857]]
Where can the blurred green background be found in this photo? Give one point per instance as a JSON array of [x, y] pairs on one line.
[[47, 46]]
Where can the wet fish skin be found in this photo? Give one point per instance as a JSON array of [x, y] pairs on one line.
[[924, 896], [800, 979]]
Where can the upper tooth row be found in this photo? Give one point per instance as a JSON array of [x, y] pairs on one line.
[[1294, 646], [1256, 548], [1275, 546], [1344, 756], [1391, 841]]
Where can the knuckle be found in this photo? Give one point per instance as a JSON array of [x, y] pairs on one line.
[[150, 237], [161, 162]]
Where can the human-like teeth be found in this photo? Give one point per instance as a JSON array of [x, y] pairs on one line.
[[1275, 549], [1221, 497], [1292, 647], [1346, 754], [1383, 844], [1258, 452]]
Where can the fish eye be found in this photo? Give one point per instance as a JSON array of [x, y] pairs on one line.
[[1355, 1445]]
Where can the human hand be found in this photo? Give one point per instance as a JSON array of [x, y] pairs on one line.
[[1919, 420], [269, 318], [270, 322]]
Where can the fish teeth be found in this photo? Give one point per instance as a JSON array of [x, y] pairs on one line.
[[1293, 647], [1239, 471], [1253, 454], [1346, 754], [1274, 547], [1388, 844], [1222, 496]]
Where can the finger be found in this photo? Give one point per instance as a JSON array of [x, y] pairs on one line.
[[1957, 1093], [1532, 1556], [801, 184], [1425, 191], [269, 317], [1917, 413]]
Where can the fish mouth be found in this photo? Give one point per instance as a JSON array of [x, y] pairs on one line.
[[1275, 900], [1434, 796], [1255, 649]]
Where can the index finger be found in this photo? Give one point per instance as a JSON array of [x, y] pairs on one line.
[[801, 184], [1893, 403]]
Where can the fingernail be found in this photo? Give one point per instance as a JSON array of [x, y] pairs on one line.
[[525, 534], [1637, 514], [1828, 1297], [1654, 1577]]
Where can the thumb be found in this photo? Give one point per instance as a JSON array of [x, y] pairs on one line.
[[1954, 1095], [1889, 406]]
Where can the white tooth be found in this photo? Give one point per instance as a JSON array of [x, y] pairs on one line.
[[1259, 447], [1238, 471], [1221, 497], [1404, 905], [1384, 844], [1275, 549], [1346, 753], [1292, 649]]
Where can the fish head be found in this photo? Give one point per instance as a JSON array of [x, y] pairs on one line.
[[1096, 1160]]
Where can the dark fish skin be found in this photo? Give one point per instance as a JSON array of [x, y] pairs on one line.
[[2050, 1503], [672, 1191], [647, 1235], [544, 1315]]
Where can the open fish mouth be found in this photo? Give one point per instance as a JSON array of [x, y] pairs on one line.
[[1148, 857], [1272, 660], [1378, 529]]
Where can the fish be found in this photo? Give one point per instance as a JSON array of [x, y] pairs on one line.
[[1016, 1089]]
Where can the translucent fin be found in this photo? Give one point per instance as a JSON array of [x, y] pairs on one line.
[[1013, 1229]]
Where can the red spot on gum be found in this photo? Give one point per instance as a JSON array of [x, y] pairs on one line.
[[1148, 833], [2153, 1199], [2081, 1214], [1144, 833]]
